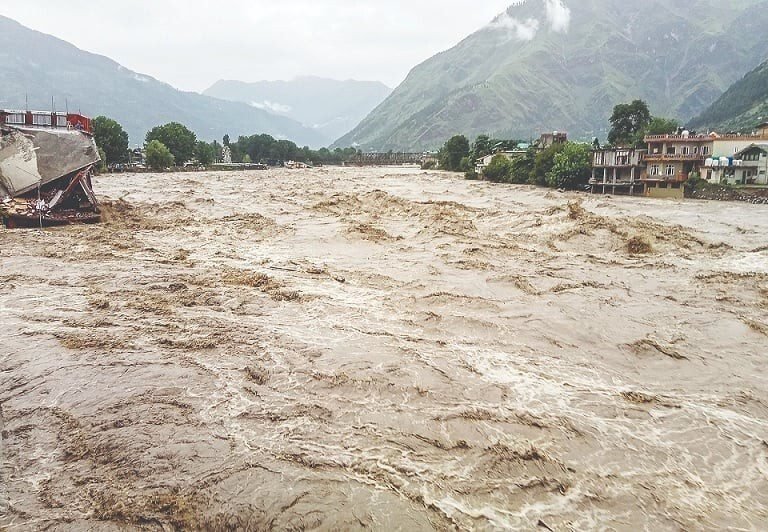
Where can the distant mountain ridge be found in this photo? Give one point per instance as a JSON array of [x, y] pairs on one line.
[[331, 107], [39, 67], [562, 64], [742, 107]]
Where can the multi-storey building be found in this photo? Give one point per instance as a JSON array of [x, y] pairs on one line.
[[747, 167], [549, 139], [672, 159], [618, 170], [753, 169], [732, 158], [44, 119]]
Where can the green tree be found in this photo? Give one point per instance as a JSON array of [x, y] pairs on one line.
[[661, 126], [483, 146], [177, 138], [103, 161], [205, 153], [522, 167], [543, 163], [158, 155], [628, 122], [572, 166], [216, 151], [110, 137], [453, 152], [247, 159], [499, 170]]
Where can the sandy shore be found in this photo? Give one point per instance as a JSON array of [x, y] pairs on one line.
[[385, 349]]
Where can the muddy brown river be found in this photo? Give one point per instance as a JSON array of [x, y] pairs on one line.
[[384, 349]]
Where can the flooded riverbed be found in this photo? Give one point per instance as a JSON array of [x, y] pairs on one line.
[[385, 349]]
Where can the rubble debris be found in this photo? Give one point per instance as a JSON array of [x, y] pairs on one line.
[[46, 175]]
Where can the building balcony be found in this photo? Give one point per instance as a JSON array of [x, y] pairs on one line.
[[662, 157], [619, 165], [678, 138], [677, 178]]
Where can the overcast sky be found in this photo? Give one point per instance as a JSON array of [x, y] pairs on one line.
[[193, 43]]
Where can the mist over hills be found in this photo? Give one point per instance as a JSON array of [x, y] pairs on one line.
[[562, 64], [330, 107], [39, 67]]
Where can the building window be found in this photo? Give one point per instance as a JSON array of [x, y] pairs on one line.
[[671, 150], [655, 170], [686, 150], [670, 170], [705, 150], [600, 158], [61, 121], [41, 120], [622, 158], [696, 150], [15, 118]]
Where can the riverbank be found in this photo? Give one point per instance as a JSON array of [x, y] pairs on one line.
[[706, 191]]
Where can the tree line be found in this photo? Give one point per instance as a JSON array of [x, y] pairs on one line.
[[561, 165], [174, 144]]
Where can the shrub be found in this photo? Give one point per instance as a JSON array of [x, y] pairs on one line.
[[158, 155], [571, 167], [499, 171]]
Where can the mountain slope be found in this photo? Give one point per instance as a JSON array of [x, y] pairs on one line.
[[563, 64], [331, 107], [42, 67], [742, 106]]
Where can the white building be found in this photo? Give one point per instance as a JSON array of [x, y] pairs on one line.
[[749, 166]]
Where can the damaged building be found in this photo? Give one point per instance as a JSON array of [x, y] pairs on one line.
[[46, 164]]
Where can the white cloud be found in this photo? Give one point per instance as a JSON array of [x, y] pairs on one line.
[[558, 15], [520, 30], [277, 108]]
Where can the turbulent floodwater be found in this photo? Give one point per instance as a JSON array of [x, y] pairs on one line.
[[385, 349]]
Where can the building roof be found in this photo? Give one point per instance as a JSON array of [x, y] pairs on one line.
[[763, 147], [618, 148]]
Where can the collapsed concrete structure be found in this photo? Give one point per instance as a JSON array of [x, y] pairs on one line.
[[46, 167]]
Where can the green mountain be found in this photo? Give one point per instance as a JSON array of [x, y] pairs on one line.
[[742, 107], [35, 67], [330, 107], [563, 64]]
